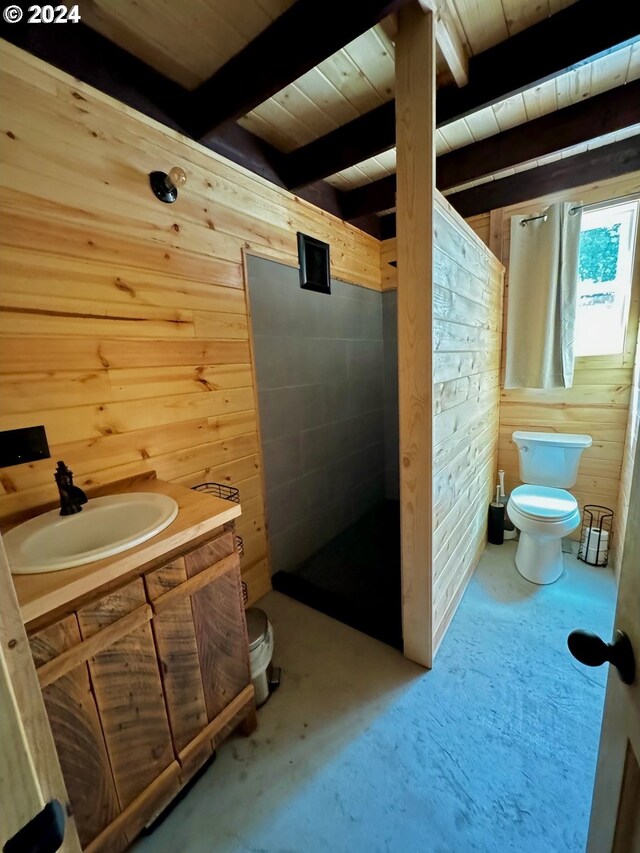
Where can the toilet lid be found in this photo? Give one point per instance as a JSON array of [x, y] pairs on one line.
[[544, 503]]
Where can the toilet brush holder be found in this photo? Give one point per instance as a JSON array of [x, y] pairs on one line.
[[495, 532]]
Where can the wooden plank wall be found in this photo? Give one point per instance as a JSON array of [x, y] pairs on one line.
[[123, 321], [468, 282], [598, 402]]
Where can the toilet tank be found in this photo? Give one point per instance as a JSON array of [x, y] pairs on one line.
[[550, 458]]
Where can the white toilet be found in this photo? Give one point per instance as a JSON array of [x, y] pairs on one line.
[[542, 510]]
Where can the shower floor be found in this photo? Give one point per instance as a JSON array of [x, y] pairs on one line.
[[355, 577]]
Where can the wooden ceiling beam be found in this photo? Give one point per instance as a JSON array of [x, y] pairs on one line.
[[370, 198], [369, 134], [608, 161], [573, 36], [609, 112], [449, 39], [304, 35]]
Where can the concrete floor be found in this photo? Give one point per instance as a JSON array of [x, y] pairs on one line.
[[361, 751]]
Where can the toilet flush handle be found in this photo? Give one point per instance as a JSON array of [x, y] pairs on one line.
[[592, 651]]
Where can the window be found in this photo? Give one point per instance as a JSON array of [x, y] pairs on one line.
[[605, 272]]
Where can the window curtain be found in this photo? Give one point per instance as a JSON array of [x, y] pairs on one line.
[[542, 296]]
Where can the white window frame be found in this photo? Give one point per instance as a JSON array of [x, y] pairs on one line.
[[628, 357]]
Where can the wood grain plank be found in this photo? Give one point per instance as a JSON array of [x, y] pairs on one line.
[[72, 657], [175, 637], [415, 128], [78, 735], [466, 408], [218, 615], [129, 694]]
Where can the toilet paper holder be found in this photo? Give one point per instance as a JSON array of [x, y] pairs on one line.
[[595, 535]]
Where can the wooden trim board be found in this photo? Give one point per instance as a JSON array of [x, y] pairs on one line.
[[30, 773]]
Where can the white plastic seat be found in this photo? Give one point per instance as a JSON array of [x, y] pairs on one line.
[[543, 503]]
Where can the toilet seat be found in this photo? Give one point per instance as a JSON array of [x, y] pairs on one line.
[[543, 503]]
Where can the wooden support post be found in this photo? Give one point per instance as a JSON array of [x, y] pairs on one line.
[[415, 129]]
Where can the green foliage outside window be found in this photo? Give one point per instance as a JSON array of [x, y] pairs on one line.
[[599, 253]]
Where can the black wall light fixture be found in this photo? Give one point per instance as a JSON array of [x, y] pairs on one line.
[[165, 187], [313, 256]]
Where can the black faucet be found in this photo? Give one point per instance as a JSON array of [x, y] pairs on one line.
[[71, 497]]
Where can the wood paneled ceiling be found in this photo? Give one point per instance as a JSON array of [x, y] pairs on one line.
[[348, 84], [604, 74], [302, 92], [185, 40], [190, 40]]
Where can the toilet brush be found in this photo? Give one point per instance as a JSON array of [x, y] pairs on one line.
[[510, 531]]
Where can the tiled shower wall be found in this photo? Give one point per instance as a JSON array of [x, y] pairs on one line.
[[391, 425], [320, 376]]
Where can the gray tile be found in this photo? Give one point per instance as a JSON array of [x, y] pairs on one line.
[[331, 358], [311, 311], [277, 361], [287, 549], [282, 503], [324, 444], [370, 317], [282, 461], [279, 414], [367, 460], [336, 401], [365, 361], [315, 491], [287, 411], [340, 444], [367, 429], [365, 397], [314, 444], [336, 320], [311, 406]]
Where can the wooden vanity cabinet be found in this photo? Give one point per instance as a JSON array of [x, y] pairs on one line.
[[142, 684]]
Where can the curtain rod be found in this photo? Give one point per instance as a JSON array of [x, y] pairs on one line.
[[573, 210]]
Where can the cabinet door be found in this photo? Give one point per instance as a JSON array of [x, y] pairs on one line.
[[78, 735], [175, 636], [221, 629], [128, 692]]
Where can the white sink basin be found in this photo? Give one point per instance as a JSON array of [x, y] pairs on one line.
[[106, 526]]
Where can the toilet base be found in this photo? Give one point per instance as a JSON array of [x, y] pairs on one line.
[[539, 559]]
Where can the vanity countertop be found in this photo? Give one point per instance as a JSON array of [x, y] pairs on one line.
[[198, 515]]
